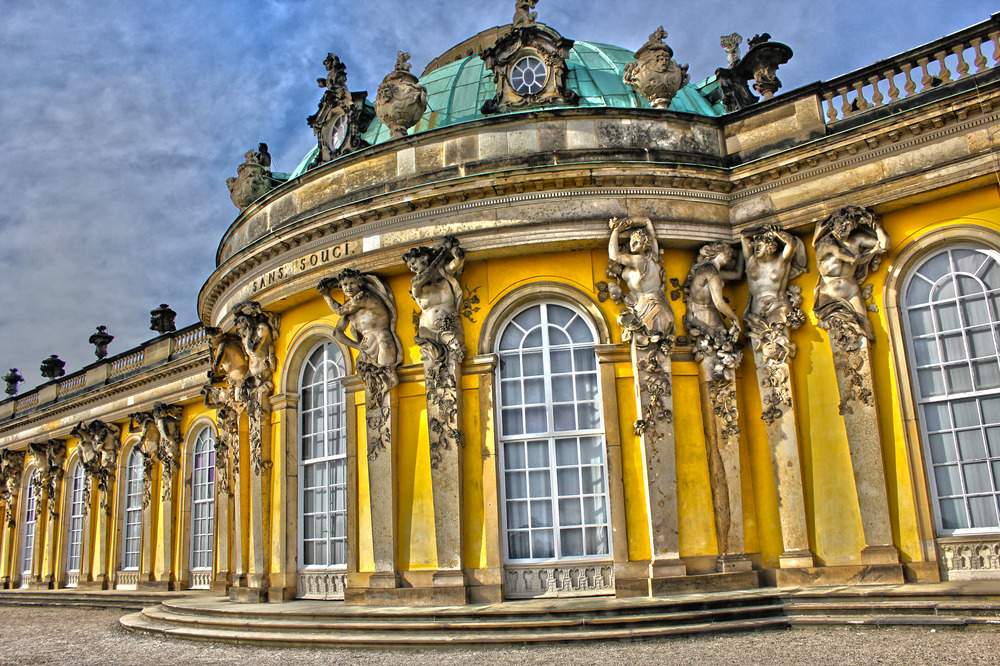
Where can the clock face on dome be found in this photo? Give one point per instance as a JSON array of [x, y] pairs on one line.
[[338, 133], [527, 76]]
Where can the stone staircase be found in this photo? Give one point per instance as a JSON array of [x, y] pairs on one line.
[[518, 622], [126, 600]]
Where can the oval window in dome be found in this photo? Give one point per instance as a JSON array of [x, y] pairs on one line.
[[527, 76]]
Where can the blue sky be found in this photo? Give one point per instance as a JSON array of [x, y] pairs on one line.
[[121, 120]]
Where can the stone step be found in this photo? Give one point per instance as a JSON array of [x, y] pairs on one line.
[[379, 639], [957, 622], [281, 622], [855, 607], [131, 599]]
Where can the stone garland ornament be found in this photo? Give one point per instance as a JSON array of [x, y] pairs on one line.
[[342, 115], [435, 287], [11, 468], [528, 65], [773, 258], [401, 100], [227, 434], [257, 330], [99, 447], [12, 379], [849, 244], [48, 458], [370, 310], [760, 64], [253, 178], [655, 74]]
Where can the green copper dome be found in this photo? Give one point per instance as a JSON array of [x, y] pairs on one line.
[[456, 91]]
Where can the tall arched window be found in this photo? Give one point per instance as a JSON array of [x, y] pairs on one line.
[[132, 526], [952, 306], [322, 470], [552, 440], [202, 508], [30, 517], [74, 529]]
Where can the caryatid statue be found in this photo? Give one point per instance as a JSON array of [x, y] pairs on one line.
[[257, 330], [48, 458], [436, 289], [715, 328], [647, 321], [11, 468], [149, 443], [849, 244], [773, 258], [370, 310]]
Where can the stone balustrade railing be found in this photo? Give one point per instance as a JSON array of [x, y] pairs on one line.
[[952, 58], [117, 368]]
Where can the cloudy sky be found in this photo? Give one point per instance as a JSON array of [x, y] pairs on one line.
[[121, 120]]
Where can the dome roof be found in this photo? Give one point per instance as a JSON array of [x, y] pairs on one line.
[[456, 91]]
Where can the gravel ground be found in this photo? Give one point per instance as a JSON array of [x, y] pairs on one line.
[[52, 635]]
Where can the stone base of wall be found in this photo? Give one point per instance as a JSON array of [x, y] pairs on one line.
[[965, 558]]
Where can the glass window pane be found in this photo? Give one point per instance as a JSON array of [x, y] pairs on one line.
[[564, 417], [987, 374], [594, 510], [531, 364], [993, 441], [588, 416], [975, 311], [514, 455], [533, 340], [937, 416], [948, 482], [539, 483], [586, 387], [517, 485], [947, 318], [918, 291], [559, 315], [569, 483], [513, 421], [561, 360], [585, 359], [968, 286], [954, 347], [541, 513], [534, 420], [597, 540], [935, 268], [984, 511], [529, 318], [977, 478], [931, 382], [517, 515], [970, 445], [543, 546], [953, 514], [562, 388], [566, 452], [592, 479], [942, 447], [534, 391], [981, 342], [921, 322], [966, 413], [571, 542], [959, 379], [944, 289], [538, 454], [967, 261], [518, 545], [510, 365], [990, 274], [557, 337], [580, 332], [591, 450], [510, 392]]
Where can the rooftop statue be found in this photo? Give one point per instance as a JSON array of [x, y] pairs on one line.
[[12, 378], [341, 116], [253, 178], [523, 16]]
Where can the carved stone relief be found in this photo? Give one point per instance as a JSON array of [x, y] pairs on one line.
[[11, 468], [655, 74], [342, 115], [528, 65], [401, 100]]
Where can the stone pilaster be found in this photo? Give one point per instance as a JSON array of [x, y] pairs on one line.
[[239, 491], [852, 362], [146, 542], [774, 380], [283, 571], [380, 433], [165, 526]]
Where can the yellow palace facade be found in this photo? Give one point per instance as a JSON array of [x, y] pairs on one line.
[[553, 321]]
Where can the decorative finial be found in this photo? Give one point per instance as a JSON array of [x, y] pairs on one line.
[[101, 340], [523, 16], [401, 100], [654, 74], [13, 378], [758, 39], [161, 319], [402, 61], [52, 367], [659, 35], [731, 43]]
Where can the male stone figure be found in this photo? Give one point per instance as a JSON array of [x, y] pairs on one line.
[[257, 330], [149, 444], [717, 349], [850, 243], [370, 311], [436, 289], [773, 257], [647, 321]]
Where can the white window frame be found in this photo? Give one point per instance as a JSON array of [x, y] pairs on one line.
[[327, 352], [551, 436], [948, 398], [202, 495], [30, 523], [132, 510], [74, 528]]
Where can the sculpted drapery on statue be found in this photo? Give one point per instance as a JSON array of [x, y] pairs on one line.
[[99, 446], [11, 468], [370, 310], [849, 244]]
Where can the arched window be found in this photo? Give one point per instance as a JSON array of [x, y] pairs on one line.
[[132, 528], [74, 529], [322, 467], [552, 441], [202, 507], [952, 319], [30, 517]]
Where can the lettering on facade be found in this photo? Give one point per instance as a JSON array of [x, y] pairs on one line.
[[303, 264]]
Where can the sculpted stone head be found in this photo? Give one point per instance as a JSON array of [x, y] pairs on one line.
[[418, 258], [639, 241]]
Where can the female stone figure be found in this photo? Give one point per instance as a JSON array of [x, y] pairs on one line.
[[642, 270]]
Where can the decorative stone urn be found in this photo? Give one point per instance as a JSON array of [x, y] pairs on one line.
[[401, 100], [253, 179], [655, 74]]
